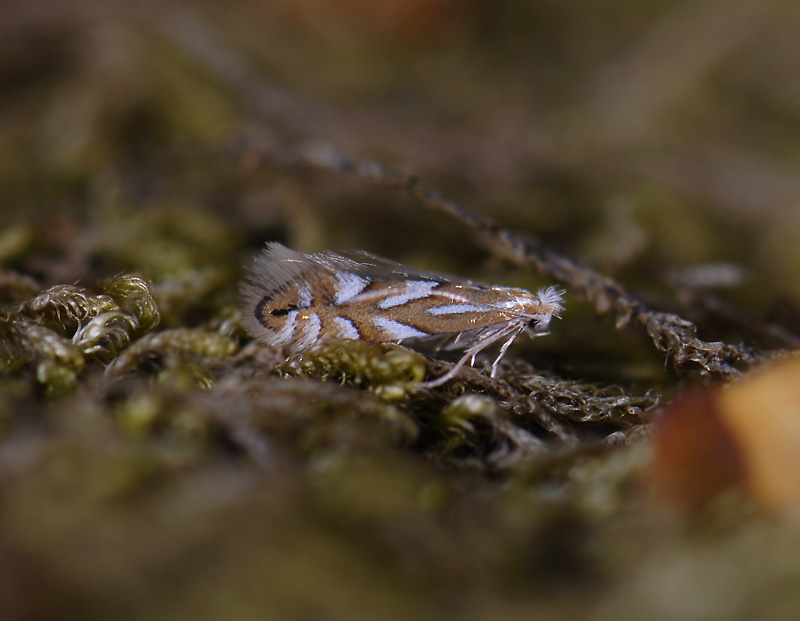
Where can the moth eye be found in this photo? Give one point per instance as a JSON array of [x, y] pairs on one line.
[[541, 324], [280, 312]]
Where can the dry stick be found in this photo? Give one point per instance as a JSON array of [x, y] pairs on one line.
[[671, 334]]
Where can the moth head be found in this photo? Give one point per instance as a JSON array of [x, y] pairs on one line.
[[549, 304], [551, 301]]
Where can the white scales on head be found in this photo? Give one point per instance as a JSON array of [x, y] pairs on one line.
[[296, 300]]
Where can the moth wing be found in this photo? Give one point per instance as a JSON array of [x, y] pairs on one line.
[[372, 266], [274, 268]]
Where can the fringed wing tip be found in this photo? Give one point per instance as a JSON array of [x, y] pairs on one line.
[[267, 273], [249, 296]]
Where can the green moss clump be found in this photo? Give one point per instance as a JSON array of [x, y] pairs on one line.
[[390, 372], [171, 348], [66, 326], [459, 419]]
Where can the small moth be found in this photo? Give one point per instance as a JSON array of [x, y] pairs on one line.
[[295, 300]]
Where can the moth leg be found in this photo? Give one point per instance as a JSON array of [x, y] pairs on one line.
[[502, 353], [469, 355], [443, 379], [485, 341]]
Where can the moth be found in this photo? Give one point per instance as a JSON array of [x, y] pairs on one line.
[[295, 300]]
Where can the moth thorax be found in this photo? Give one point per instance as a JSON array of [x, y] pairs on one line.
[[520, 301]]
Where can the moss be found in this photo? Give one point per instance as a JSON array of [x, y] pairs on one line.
[[171, 351], [65, 327], [390, 373]]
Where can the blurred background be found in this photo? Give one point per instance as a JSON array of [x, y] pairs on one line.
[[658, 141], [637, 136]]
